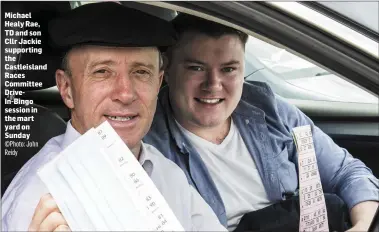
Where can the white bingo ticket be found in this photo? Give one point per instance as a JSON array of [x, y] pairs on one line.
[[313, 214], [150, 202], [99, 185]]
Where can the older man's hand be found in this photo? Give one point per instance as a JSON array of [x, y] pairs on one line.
[[47, 216]]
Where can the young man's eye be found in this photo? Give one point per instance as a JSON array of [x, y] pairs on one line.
[[228, 69], [195, 68]]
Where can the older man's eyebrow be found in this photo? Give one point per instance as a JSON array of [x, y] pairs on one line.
[[139, 64], [112, 62], [101, 62]]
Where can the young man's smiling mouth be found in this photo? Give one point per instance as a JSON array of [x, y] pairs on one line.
[[210, 100]]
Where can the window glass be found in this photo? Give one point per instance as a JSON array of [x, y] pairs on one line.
[[331, 26], [293, 77]]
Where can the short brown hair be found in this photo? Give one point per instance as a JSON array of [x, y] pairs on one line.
[[189, 23]]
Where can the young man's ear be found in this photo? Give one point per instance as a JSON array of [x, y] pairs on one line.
[[64, 84]]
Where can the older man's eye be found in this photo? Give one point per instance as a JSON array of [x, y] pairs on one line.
[[142, 72], [101, 71]]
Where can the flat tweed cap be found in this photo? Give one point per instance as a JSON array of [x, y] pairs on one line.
[[110, 24]]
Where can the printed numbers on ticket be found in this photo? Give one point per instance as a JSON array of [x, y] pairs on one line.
[[141, 188], [313, 214]]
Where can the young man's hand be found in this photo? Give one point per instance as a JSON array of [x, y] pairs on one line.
[[362, 215], [47, 216]]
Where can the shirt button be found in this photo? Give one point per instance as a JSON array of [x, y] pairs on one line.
[[262, 136], [247, 121], [272, 177]]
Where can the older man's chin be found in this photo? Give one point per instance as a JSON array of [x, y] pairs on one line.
[[134, 146]]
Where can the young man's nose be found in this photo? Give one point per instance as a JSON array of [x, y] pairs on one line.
[[213, 81]]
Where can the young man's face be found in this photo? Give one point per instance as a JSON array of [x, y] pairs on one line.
[[119, 85], [205, 79]]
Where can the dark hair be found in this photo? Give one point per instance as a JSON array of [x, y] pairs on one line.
[[189, 23]]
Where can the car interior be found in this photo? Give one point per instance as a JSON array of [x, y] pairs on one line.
[[354, 126]]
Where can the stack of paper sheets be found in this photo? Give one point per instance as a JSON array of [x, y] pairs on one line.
[[99, 185]]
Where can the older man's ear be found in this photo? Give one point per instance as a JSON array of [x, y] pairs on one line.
[[165, 60], [165, 65], [65, 87]]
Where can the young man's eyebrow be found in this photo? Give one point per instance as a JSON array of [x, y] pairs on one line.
[[189, 60], [232, 62]]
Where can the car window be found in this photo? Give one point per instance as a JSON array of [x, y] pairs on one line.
[[331, 26], [296, 78]]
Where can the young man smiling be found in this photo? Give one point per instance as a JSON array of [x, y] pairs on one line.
[[233, 139]]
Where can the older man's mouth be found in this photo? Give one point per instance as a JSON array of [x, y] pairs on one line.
[[126, 121], [120, 118]]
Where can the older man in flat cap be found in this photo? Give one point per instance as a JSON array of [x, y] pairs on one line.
[[111, 72]]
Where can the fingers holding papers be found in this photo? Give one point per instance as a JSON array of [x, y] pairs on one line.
[[47, 216]]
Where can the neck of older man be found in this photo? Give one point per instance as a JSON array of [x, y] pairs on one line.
[[136, 150]]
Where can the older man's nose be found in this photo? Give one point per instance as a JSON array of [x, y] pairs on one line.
[[124, 90]]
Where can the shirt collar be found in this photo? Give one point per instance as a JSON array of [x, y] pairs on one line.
[[178, 135], [145, 159], [251, 104], [70, 135]]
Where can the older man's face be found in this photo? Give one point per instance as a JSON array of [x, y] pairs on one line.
[[119, 85]]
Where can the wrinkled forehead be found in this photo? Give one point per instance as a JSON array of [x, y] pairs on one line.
[[90, 53]]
